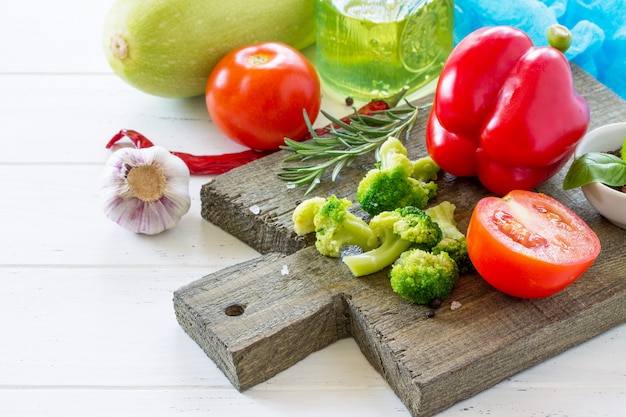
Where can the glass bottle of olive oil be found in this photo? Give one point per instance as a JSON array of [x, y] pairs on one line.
[[369, 49]]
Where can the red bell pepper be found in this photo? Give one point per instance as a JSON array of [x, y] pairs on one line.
[[505, 111]]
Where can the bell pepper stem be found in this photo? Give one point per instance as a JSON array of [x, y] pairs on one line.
[[559, 37]]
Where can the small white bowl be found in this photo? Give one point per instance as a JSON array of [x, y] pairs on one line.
[[609, 202]]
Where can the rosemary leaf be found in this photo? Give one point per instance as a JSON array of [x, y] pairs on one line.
[[338, 167], [344, 142]]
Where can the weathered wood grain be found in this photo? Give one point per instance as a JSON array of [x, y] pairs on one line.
[[293, 301]]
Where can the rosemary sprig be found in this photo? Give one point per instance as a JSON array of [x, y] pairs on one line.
[[345, 142]]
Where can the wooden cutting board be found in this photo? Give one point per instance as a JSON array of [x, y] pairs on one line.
[[260, 317]]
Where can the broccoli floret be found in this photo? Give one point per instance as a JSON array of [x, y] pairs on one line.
[[425, 169], [398, 230], [457, 249], [453, 240], [304, 214], [334, 226], [422, 276], [391, 185]]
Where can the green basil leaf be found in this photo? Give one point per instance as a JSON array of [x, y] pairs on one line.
[[596, 167], [624, 149]]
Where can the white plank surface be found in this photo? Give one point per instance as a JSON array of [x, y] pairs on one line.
[[86, 314]]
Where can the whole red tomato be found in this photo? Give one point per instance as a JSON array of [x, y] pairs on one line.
[[256, 95], [528, 244]]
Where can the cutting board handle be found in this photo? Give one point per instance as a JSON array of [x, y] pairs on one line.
[[261, 317]]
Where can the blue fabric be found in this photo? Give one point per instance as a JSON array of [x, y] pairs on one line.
[[598, 28]]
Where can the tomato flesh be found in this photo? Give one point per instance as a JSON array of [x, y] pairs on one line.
[[528, 244], [256, 95]]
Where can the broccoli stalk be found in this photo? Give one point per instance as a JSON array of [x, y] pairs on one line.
[[422, 276], [398, 230], [397, 181], [453, 240], [334, 226], [376, 259]]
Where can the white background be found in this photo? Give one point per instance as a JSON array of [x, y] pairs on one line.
[[86, 318]]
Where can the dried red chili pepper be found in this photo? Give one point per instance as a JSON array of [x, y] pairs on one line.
[[367, 110], [198, 165]]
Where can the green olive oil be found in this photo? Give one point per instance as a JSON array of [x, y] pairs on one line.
[[375, 49]]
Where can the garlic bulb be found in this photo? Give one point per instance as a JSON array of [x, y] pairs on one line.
[[145, 190]]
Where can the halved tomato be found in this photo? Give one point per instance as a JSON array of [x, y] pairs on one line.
[[529, 245]]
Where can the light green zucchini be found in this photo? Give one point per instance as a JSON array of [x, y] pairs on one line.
[[169, 47]]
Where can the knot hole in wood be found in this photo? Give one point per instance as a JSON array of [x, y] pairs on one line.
[[234, 309]]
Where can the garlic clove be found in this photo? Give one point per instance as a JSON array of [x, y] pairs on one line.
[[145, 190]]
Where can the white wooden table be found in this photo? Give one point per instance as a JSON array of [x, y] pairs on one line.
[[86, 318]]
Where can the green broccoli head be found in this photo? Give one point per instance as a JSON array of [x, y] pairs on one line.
[[398, 230], [336, 227], [413, 224], [390, 185], [422, 276], [457, 249], [387, 189]]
